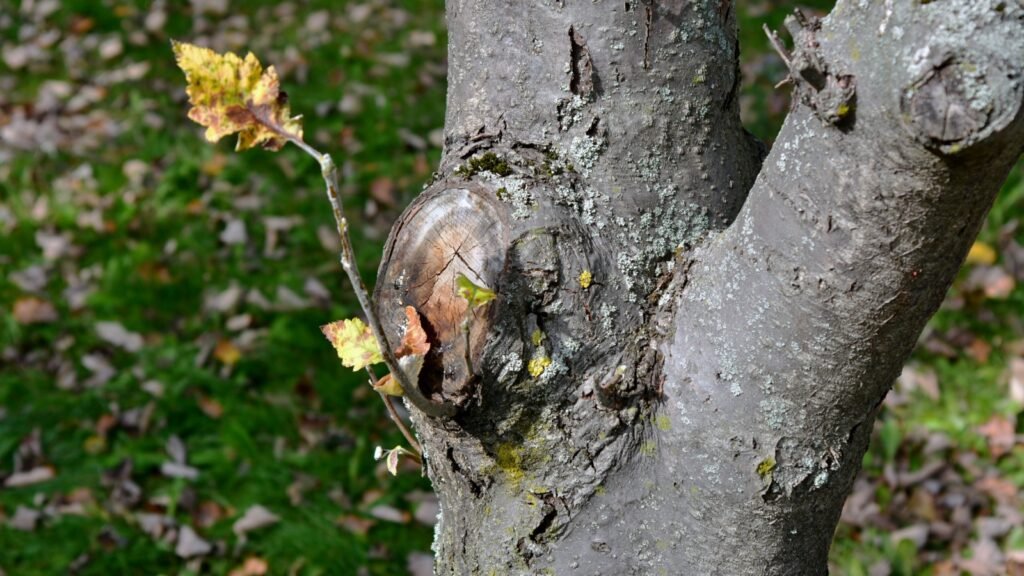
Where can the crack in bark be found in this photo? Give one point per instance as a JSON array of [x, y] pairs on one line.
[[582, 82], [550, 513], [648, 22], [724, 9]]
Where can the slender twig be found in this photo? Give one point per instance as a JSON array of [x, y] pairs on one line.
[[401, 425], [348, 262], [395, 416], [411, 390], [776, 43]]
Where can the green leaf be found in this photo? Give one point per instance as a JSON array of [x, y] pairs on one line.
[[891, 437], [229, 95], [476, 295]]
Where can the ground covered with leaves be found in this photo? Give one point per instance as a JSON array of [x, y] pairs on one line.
[[168, 404]]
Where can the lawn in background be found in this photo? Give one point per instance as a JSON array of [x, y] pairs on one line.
[[160, 299]]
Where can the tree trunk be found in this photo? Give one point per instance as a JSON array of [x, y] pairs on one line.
[[676, 378]]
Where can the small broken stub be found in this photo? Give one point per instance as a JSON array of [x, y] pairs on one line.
[[955, 103], [445, 233], [830, 94]]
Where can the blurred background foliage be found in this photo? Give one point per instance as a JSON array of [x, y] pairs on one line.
[[167, 402]]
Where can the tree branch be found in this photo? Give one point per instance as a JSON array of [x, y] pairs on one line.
[[793, 323]]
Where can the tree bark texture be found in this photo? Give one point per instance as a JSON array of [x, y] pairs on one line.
[[681, 369]]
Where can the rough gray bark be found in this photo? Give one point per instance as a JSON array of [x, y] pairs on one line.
[[702, 406]]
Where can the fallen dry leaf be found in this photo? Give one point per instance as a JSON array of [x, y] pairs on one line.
[[30, 477], [428, 510], [223, 301], [116, 334], [234, 232], [25, 519], [1015, 563], [208, 513], [31, 279], [916, 378], [176, 470], [215, 164], [227, 353], [255, 517], [297, 489], [916, 534], [316, 290], [210, 406], [190, 545], [328, 238], [420, 564], [32, 310], [101, 368], [993, 281], [155, 525], [1017, 380], [253, 566], [383, 191], [390, 514], [986, 559], [979, 350], [999, 431], [355, 524]]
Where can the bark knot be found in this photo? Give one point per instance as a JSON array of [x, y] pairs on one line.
[[447, 231], [958, 100]]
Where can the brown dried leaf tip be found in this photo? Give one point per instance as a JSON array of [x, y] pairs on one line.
[[414, 342]]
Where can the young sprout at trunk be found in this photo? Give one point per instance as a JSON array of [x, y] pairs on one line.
[[232, 95]]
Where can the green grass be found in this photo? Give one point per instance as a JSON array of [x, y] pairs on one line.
[[289, 408]]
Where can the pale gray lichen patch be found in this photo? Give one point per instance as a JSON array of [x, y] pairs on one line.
[[514, 191], [584, 151], [571, 346], [778, 412], [654, 237], [607, 312], [511, 366], [556, 369], [586, 201], [570, 111]]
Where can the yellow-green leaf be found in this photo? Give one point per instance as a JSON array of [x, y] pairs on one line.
[[354, 342], [229, 95], [388, 385], [476, 295], [981, 253]]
